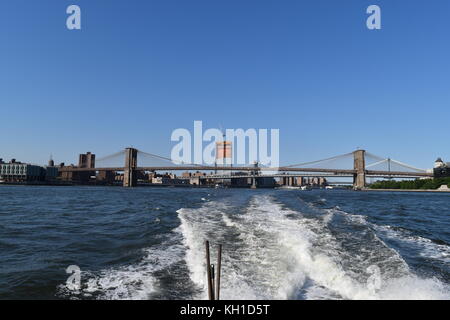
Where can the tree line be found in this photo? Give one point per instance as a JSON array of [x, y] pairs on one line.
[[425, 184]]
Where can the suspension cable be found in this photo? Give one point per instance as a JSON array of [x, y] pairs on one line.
[[392, 160], [374, 156], [110, 156], [376, 163], [408, 166], [167, 159], [318, 161]]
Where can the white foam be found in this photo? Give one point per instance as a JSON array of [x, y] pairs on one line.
[[196, 224], [193, 238], [328, 217], [426, 247], [131, 282], [270, 252], [257, 269], [228, 221], [276, 257]]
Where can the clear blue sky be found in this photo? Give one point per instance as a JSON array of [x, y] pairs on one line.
[[140, 69]]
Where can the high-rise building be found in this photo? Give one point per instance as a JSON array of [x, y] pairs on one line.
[[224, 158], [51, 163], [86, 160], [224, 153]]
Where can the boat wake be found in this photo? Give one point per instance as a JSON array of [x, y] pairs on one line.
[[130, 282], [272, 252]]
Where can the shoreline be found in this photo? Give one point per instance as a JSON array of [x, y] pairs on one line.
[[408, 190], [206, 187], [143, 185]]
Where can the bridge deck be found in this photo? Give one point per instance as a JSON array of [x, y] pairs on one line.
[[318, 171]]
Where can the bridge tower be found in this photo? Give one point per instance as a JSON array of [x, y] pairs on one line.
[[359, 165], [129, 175], [254, 174]]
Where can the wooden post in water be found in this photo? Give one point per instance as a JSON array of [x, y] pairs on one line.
[[212, 282], [213, 286], [219, 266], [208, 272]]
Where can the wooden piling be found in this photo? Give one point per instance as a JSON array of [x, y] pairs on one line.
[[213, 276], [213, 282], [219, 266], [208, 272]]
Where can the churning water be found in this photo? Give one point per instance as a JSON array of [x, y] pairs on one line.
[[148, 243]]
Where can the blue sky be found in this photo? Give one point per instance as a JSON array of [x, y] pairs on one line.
[[140, 69]]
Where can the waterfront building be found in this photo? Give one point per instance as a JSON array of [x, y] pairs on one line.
[[195, 181], [85, 161], [68, 175], [199, 174], [186, 174], [51, 173], [265, 182], [441, 169], [240, 182], [168, 181], [302, 181], [24, 172], [107, 177], [51, 163]]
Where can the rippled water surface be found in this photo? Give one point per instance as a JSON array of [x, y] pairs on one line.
[[147, 243]]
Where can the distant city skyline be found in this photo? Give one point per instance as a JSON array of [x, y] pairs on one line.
[[139, 70]]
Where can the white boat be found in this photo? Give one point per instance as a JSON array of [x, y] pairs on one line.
[[329, 188], [304, 188], [289, 188]]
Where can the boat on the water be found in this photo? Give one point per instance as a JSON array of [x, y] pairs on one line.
[[289, 188], [304, 188]]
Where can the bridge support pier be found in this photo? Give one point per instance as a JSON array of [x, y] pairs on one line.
[[129, 175], [253, 183], [359, 165]]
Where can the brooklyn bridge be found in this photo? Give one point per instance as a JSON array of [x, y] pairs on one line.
[[358, 165]]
